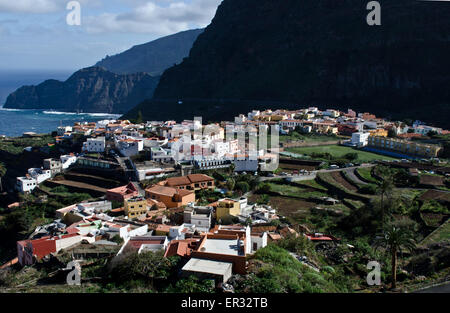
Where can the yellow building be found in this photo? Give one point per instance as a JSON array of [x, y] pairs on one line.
[[380, 132], [404, 146], [227, 207], [135, 207]]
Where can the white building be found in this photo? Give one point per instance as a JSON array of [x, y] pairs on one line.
[[39, 174], [67, 161], [26, 184], [258, 241], [94, 145], [130, 147], [61, 130], [360, 139]]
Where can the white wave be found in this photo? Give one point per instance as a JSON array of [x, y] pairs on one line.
[[81, 114], [12, 110]]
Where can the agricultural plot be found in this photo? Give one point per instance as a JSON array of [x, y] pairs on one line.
[[366, 175], [439, 235], [339, 151]]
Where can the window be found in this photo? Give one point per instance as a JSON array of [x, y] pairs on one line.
[[255, 246]]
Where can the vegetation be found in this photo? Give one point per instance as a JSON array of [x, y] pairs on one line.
[[17, 145], [336, 152], [395, 239], [276, 271]]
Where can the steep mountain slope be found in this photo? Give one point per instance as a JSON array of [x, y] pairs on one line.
[[90, 90], [319, 52], [153, 57]]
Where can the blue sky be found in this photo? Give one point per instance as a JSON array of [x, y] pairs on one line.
[[34, 34]]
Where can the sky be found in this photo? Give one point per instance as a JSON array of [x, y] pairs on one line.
[[35, 35]]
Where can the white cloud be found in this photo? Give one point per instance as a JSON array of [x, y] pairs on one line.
[[155, 17], [30, 6]]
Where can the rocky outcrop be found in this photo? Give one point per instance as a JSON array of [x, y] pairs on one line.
[[90, 90]]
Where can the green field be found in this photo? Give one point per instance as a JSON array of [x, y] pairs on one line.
[[440, 234], [340, 151]]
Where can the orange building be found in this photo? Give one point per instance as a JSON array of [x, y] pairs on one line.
[[171, 197], [190, 182]]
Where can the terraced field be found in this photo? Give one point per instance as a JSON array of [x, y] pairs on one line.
[[337, 176]]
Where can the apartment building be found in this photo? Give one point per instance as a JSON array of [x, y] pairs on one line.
[[96, 145], [135, 207], [404, 147]]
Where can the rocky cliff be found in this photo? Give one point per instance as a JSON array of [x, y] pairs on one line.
[[90, 90], [153, 57], [316, 52]]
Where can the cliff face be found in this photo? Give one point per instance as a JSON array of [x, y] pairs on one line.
[[319, 52], [153, 57], [90, 90]]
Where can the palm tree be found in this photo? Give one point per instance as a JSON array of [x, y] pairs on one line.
[[385, 190], [2, 173], [394, 240]]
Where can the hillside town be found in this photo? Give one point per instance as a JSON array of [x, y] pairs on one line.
[[187, 190]]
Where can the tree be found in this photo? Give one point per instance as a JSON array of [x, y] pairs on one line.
[[230, 184], [243, 186], [385, 190], [2, 173], [394, 240]]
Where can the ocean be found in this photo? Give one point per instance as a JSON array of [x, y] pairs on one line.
[[14, 123]]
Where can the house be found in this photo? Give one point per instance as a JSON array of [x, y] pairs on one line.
[[54, 165], [220, 271], [190, 182], [34, 177], [129, 147], [120, 194], [258, 241], [171, 197], [227, 207], [182, 231], [135, 207], [144, 244], [28, 251], [182, 248], [78, 212], [227, 246], [26, 184], [94, 145], [40, 174], [67, 161], [198, 216]]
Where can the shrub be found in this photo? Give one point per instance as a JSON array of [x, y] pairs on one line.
[[368, 189], [243, 187]]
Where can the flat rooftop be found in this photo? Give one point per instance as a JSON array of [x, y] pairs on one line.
[[208, 266], [221, 246]]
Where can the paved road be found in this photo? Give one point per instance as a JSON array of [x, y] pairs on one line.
[[352, 175], [311, 175], [445, 288]]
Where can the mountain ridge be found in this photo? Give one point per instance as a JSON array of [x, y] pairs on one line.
[[153, 57], [319, 53]]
